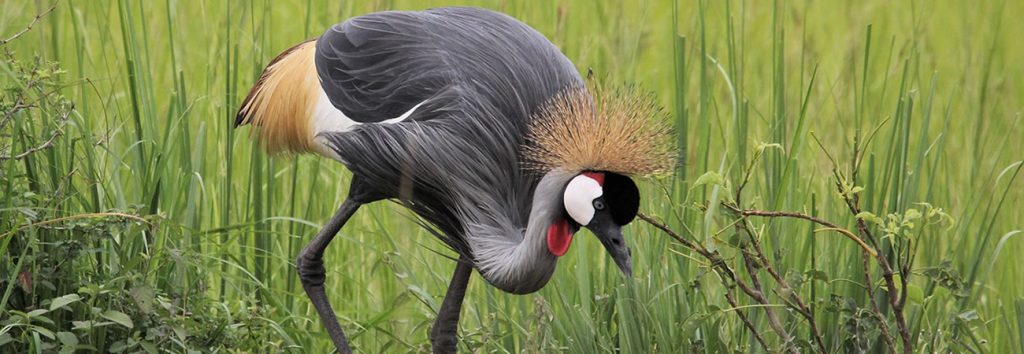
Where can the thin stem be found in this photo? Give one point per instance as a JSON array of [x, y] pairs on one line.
[[29, 27], [830, 226], [886, 336], [797, 304]]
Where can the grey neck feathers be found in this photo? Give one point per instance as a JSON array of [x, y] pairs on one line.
[[517, 260]]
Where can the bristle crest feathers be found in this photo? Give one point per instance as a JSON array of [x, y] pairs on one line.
[[618, 130]]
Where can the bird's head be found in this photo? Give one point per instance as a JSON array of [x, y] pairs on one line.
[[604, 137], [602, 202]]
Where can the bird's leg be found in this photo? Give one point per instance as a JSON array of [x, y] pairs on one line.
[[310, 265], [443, 335]]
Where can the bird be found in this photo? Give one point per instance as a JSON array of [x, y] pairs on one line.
[[476, 123]]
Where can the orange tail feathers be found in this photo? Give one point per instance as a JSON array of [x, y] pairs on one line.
[[282, 103]]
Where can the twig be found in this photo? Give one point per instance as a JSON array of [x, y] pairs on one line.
[[664, 228], [45, 145], [829, 225], [853, 204], [730, 297], [29, 27], [725, 274], [892, 295], [30, 151], [797, 304], [886, 336], [758, 294], [74, 217]]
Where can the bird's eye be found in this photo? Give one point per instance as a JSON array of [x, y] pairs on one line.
[[598, 204]]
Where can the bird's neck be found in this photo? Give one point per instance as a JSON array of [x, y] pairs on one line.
[[523, 263]]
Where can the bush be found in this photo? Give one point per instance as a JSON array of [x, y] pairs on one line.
[[81, 279]]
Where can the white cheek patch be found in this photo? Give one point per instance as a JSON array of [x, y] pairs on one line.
[[579, 198]]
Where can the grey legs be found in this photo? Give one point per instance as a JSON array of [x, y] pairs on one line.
[[310, 264], [443, 335]]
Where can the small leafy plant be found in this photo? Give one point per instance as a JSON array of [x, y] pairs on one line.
[[79, 281]]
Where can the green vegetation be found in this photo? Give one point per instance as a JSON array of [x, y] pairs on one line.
[[148, 223]]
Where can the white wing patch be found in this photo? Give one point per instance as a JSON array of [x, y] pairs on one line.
[[579, 198], [327, 118], [404, 115]]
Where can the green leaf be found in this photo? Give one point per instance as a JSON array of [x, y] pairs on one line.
[[915, 294], [67, 338], [911, 214], [120, 317], [149, 347], [84, 325], [119, 346], [968, 316], [5, 338], [43, 331], [762, 146], [817, 275], [37, 312], [870, 217], [709, 178], [62, 301]]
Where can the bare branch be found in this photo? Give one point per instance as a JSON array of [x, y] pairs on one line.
[[45, 145], [29, 27], [893, 295], [886, 336], [758, 294], [725, 274], [795, 302], [830, 226], [731, 298]]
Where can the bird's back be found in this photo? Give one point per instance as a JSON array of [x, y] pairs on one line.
[[378, 66]]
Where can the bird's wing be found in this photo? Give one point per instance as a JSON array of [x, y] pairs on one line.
[[379, 66], [482, 76]]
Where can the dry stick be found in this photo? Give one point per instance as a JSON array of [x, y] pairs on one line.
[[853, 204], [29, 27], [758, 294], [886, 336], [887, 275], [829, 225], [75, 217], [764, 259], [718, 265], [797, 304], [894, 301], [730, 296], [45, 145]]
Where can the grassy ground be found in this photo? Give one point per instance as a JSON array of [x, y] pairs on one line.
[[929, 91]]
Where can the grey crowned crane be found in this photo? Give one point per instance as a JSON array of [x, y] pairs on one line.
[[476, 123]]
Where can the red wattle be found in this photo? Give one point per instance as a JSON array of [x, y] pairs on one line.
[[559, 237]]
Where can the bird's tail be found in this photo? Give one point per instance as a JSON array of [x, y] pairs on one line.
[[282, 103]]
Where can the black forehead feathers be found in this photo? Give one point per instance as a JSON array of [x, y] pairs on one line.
[[622, 197]]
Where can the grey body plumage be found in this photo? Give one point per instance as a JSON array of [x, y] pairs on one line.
[[455, 161]]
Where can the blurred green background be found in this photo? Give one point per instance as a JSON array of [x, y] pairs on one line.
[[156, 85]]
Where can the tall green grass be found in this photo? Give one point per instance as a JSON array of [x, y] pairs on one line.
[[935, 84]]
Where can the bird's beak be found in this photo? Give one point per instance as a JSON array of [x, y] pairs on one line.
[[611, 237]]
